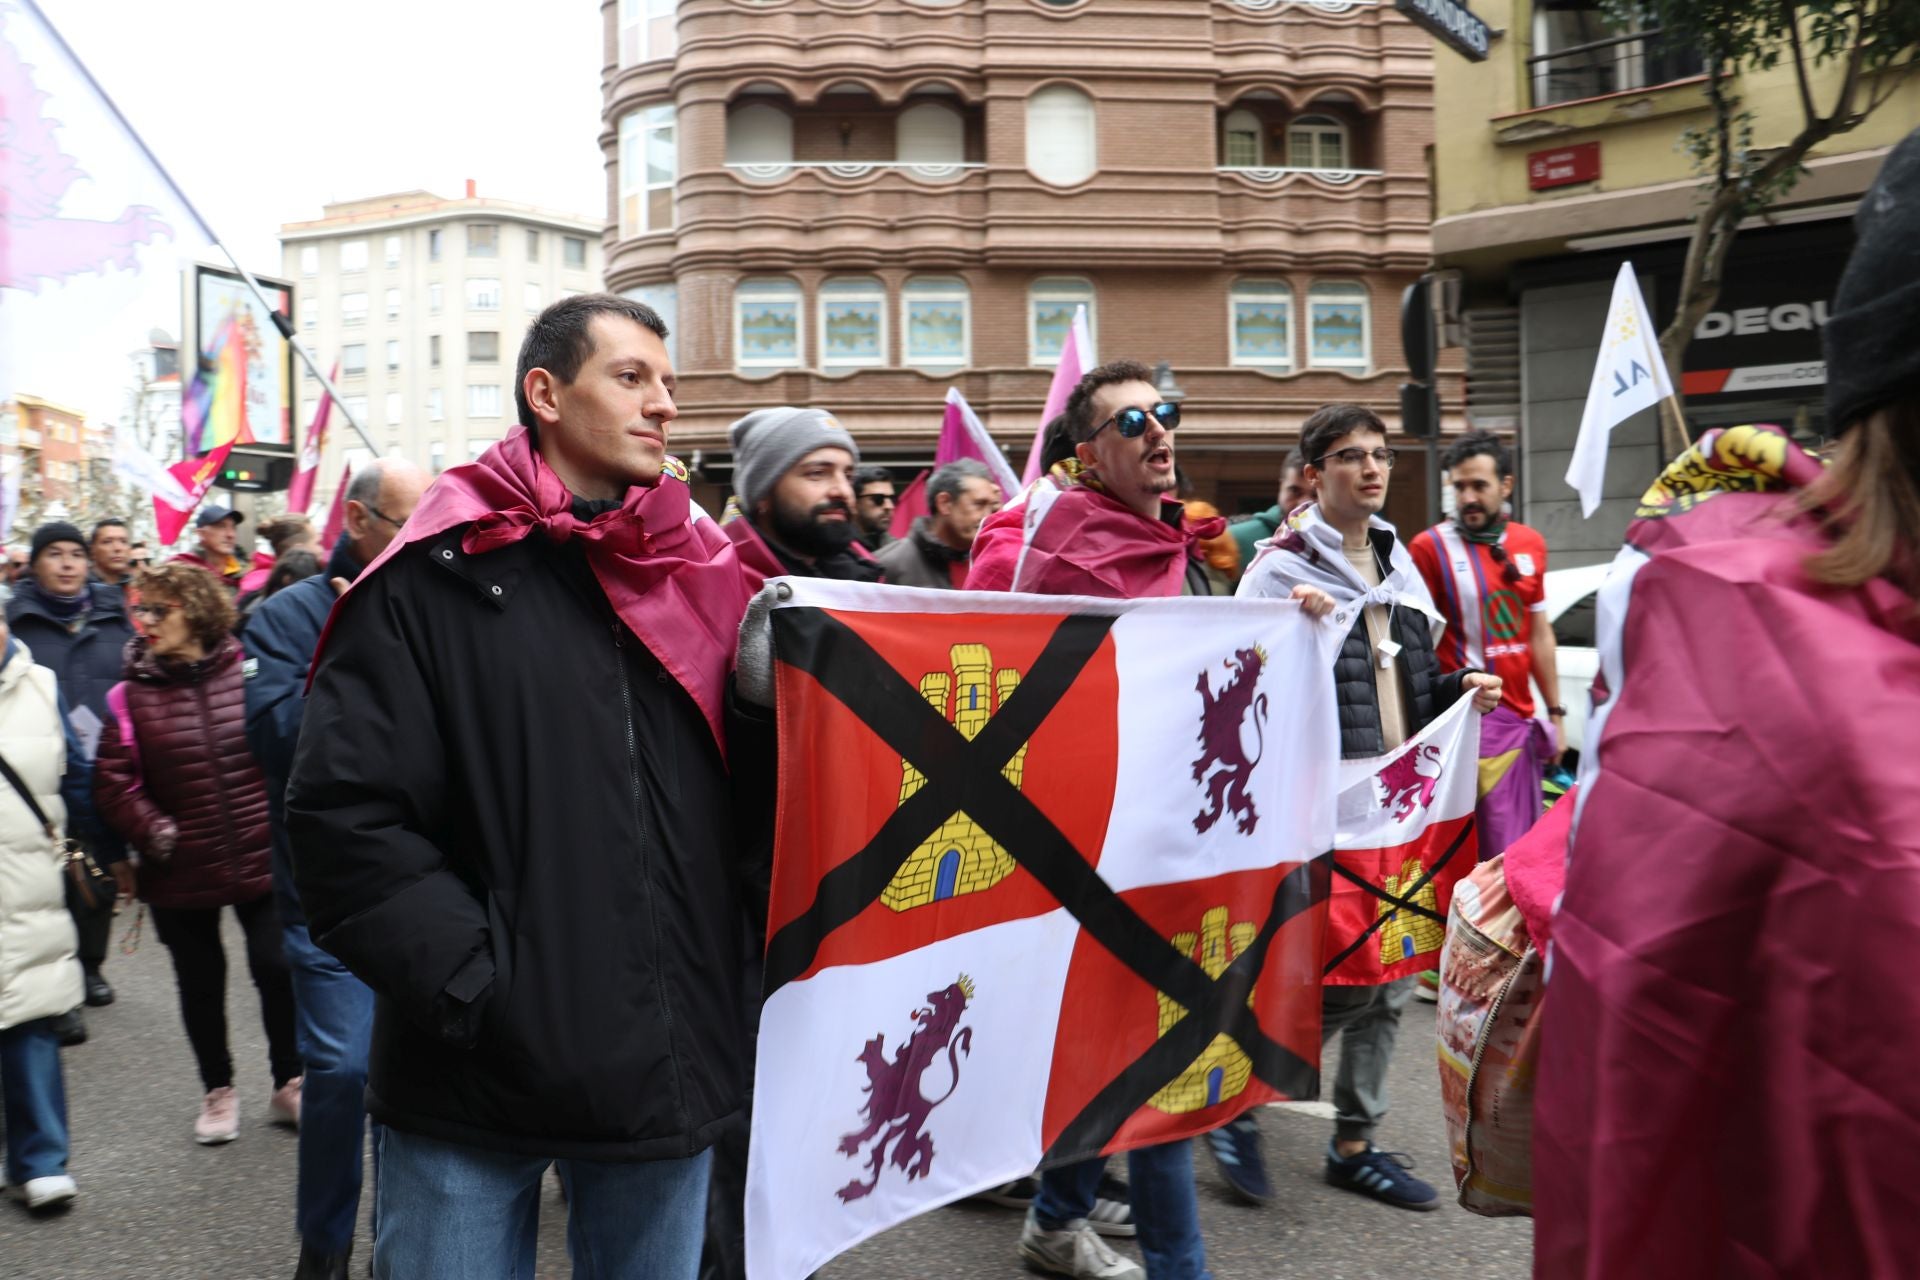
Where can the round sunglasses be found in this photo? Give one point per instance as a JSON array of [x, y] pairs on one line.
[[1132, 423]]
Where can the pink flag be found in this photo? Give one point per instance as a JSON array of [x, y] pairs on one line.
[[337, 513], [1076, 357], [962, 435], [196, 477], [300, 492]]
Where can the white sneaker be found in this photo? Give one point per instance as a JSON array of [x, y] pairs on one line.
[[1073, 1250], [44, 1193], [219, 1119]]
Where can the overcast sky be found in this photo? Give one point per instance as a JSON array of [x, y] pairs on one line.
[[264, 110]]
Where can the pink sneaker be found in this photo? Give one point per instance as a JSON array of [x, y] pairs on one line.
[[219, 1118], [284, 1107]]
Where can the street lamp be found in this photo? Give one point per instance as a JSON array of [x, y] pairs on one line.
[[1163, 382]]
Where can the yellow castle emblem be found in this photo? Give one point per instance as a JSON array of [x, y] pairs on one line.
[[1223, 1068], [958, 858], [1405, 934]]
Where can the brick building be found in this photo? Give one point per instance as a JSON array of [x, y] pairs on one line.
[[854, 204]]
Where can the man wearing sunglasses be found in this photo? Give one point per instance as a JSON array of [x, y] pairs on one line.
[[873, 506], [1488, 575], [1109, 525]]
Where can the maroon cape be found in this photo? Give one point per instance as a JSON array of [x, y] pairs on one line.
[[1089, 544], [669, 572], [1730, 1073]]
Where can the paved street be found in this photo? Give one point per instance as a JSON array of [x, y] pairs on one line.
[[154, 1206]]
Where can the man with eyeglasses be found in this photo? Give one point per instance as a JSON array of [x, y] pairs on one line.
[[218, 529], [1488, 575], [335, 1008], [1110, 526], [873, 506], [1334, 552]]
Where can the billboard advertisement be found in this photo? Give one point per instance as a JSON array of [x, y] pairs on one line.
[[237, 341]]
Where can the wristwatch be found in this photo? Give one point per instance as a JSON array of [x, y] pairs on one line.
[[1557, 711]]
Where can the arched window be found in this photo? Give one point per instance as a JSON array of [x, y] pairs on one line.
[[1262, 319], [853, 323], [1240, 140], [1340, 328], [936, 323], [646, 30], [930, 133], [1051, 303], [648, 165], [1317, 142], [759, 133], [767, 324], [1061, 144]]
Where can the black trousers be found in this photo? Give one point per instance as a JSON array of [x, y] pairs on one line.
[[95, 924], [192, 937]]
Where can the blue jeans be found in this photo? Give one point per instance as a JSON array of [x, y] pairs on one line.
[[452, 1212], [334, 1026], [1165, 1208], [35, 1097]]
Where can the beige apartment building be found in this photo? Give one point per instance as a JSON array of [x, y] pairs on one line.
[[855, 204], [424, 301]]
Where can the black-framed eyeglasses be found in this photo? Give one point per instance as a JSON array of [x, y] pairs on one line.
[[1355, 456], [378, 514], [1132, 423], [148, 609]]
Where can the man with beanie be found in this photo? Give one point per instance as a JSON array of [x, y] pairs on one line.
[[335, 1009], [793, 473], [218, 529], [77, 630]]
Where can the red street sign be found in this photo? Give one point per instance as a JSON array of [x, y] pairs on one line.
[[1563, 166]]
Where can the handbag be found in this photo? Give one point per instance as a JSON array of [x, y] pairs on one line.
[[88, 881]]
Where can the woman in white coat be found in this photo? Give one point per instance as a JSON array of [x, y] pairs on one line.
[[39, 970]]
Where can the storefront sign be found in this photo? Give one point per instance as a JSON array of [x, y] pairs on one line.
[[1763, 336], [1563, 166], [1452, 23]]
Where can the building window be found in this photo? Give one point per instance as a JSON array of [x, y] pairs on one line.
[[477, 447], [433, 244], [433, 351], [437, 457], [308, 408], [1580, 53], [1051, 304], [935, 323], [435, 297], [1337, 319], [759, 133], [483, 239], [357, 406], [530, 298], [353, 255], [393, 304], [930, 133], [853, 323], [533, 245], [353, 359], [647, 165], [393, 251], [393, 409], [1263, 324], [393, 353], [1061, 144], [767, 324], [664, 299], [646, 31], [436, 405], [483, 401], [353, 308], [1240, 140], [574, 253], [309, 261], [483, 293], [483, 347], [309, 312], [1317, 142]]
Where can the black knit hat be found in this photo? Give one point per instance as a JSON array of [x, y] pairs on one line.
[[59, 531], [1872, 335]]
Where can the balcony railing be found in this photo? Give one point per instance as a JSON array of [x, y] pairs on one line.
[[769, 171], [1617, 64], [1272, 174], [1324, 6]]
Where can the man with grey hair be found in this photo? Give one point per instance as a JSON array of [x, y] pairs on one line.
[[793, 475], [937, 551]]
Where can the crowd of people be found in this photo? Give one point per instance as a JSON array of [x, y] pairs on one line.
[[502, 868]]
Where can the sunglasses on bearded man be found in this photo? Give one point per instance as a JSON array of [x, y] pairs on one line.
[[1132, 423]]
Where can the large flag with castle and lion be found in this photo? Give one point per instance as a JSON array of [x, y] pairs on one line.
[[1051, 881]]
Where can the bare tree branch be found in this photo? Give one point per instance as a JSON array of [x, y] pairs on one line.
[[1809, 113]]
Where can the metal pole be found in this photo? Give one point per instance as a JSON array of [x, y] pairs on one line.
[[281, 322]]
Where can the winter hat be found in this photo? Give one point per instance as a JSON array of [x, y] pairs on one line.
[[1872, 334], [768, 441], [48, 534]]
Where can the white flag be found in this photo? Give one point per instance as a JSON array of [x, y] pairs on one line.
[[145, 472], [1629, 376]]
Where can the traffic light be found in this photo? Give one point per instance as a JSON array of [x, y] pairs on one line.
[[255, 473]]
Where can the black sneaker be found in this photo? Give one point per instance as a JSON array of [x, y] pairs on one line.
[[70, 1028], [99, 993], [1382, 1175], [1236, 1152], [1017, 1194]]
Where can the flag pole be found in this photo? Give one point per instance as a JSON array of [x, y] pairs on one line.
[[281, 322], [1679, 416]]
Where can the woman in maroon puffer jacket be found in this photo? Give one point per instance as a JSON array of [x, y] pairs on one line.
[[175, 776]]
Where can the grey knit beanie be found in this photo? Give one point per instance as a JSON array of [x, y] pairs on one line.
[[769, 441]]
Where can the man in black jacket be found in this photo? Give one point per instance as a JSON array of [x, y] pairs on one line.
[[334, 1007], [509, 817], [1336, 553]]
